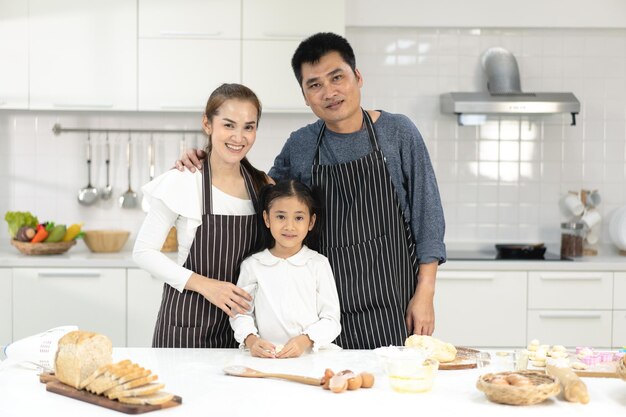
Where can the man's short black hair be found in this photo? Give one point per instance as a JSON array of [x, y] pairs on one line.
[[313, 48]]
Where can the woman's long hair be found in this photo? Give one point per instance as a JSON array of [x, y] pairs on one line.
[[239, 92]]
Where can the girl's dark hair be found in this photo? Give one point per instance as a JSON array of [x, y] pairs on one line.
[[239, 92], [313, 48], [311, 197]]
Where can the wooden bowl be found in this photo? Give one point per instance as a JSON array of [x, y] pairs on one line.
[[105, 240], [541, 387], [42, 248]]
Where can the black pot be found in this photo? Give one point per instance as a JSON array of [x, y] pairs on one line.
[[520, 251]]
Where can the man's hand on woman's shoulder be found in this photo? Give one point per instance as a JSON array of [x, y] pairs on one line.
[[190, 159]]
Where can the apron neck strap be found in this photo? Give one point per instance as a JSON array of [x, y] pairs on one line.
[[207, 190], [367, 120]]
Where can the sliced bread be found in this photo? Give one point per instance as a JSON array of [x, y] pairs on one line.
[[151, 399], [79, 355]]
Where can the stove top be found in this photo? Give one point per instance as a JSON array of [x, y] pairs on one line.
[[487, 255]]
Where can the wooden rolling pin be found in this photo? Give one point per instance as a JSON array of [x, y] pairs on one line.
[[574, 390]]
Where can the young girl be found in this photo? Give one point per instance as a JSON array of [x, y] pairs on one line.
[[295, 301]]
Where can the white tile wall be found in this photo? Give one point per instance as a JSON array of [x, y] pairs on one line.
[[500, 181]]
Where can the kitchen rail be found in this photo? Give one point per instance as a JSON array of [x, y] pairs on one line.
[[58, 129]]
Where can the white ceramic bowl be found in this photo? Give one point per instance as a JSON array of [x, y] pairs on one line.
[[617, 228]]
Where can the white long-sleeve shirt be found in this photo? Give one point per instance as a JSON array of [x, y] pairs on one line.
[[291, 297], [176, 200]]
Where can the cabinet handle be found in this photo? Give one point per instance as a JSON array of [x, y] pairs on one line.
[[179, 107], [570, 278], [83, 106], [182, 34], [572, 315], [286, 35], [68, 274], [468, 276]]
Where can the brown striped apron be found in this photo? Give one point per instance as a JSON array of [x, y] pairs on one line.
[[187, 319], [369, 245]]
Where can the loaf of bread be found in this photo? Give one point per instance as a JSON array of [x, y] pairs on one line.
[[442, 351], [79, 355]]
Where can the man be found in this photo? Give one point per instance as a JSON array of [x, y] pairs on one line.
[[384, 223]]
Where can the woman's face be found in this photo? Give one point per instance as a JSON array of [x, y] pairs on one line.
[[232, 130], [289, 221]]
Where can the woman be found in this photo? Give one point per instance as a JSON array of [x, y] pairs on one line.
[[214, 211]]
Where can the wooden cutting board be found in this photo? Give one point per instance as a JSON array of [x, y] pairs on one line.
[[465, 359], [602, 370], [53, 385]]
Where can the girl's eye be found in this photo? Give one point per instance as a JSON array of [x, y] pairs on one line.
[[280, 217], [299, 218]]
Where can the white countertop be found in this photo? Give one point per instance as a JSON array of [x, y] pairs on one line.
[[196, 375], [79, 256]]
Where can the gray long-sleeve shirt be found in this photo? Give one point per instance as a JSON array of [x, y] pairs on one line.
[[408, 163]]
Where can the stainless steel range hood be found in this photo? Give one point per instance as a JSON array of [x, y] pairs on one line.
[[504, 95]]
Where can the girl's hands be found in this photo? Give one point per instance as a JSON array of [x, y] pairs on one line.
[[259, 347], [225, 295], [295, 347]]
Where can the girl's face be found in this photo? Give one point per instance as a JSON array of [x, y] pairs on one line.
[[289, 221], [232, 130]]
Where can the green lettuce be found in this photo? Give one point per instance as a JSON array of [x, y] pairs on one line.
[[17, 219]]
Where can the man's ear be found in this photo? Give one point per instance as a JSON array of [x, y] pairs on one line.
[[359, 77]]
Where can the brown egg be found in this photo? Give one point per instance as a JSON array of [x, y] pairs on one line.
[[355, 382], [522, 382], [499, 381], [328, 374], [367, 380], [338, 384], [512, 378]]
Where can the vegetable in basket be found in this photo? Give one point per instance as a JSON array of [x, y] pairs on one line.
[[17, 219]]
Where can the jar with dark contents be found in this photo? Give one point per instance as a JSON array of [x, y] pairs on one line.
[[572, 235]]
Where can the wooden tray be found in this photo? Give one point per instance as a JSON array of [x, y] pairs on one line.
[[602, 370], [53, 385], [465, 359]]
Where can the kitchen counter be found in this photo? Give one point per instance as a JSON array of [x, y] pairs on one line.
[[80, 257], [196, 375]]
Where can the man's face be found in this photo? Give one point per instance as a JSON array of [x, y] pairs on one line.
[[333, 91]]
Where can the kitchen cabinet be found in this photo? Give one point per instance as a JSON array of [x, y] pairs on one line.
[[271, 38], [93, 299], [481, 308], [144, 294], [619, 312], [6, 306], [571, 308], [186, 50], [83, 54], [14, 53]]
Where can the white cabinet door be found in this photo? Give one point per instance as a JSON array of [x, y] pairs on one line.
[[288, 19], [180, 74], [571, 328], [6, 313], [481, 308], [570, 290], [14, 53], [197, 19], [83, 54], [92, 299], [619, 328], [144, 300], [267, 70], [619, 292]]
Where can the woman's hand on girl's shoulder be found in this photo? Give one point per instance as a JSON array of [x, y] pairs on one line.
[[227, 296]]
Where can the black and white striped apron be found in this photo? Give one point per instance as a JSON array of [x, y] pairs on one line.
[[369, 245], [187, 319]]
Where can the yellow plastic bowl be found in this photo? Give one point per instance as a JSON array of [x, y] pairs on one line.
[[106, 240]]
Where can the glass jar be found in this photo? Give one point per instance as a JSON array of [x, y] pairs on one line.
[[572, 235]]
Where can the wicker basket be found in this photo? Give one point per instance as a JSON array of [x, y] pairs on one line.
[[542, 387], [42, 248], [621, 368], [171, 242]]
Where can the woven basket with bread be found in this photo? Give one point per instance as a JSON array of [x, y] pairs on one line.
[[84, 361], [518, 388]]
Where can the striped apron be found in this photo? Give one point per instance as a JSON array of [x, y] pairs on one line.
[[187, 319], [369, 245]]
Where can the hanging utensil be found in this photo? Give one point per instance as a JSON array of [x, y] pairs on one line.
[[128, 200], [107, 191], [244, 371], [88, 195], [145, 205]]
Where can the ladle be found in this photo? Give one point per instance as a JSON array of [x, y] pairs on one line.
[[107, 191], [88, 195], [128, 200], [244, 371], [145, 205]]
